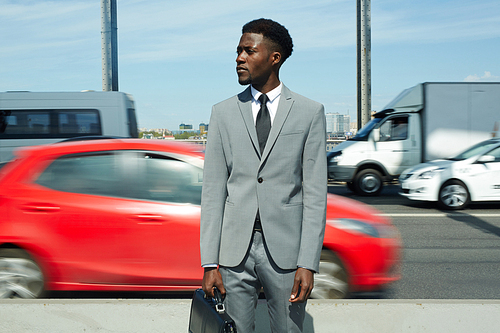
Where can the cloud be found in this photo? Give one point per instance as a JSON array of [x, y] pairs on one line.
[[159, 31], [415, 22], [150, 31], [487, 77], [44, 34]]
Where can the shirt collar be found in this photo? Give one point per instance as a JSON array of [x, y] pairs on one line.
[[272, 95]]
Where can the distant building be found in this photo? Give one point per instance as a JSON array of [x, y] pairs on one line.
[[354, 128], [185, 127], [203, 128], [338, 124], [197, 132]]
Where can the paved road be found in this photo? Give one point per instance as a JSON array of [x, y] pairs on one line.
[[447, 254]]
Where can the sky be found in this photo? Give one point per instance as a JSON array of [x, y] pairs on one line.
[[177, 58]]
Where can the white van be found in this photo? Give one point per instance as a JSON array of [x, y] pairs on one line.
[[35, 118], [431, 120]]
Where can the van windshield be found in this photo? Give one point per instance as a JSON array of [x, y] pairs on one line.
[[363, 133]]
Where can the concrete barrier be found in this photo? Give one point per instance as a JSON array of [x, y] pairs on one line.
[[323, 316]]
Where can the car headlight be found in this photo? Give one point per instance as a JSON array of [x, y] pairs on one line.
[[336, 157], [404, 176], [430, 173], [355, 226], [377, 230]]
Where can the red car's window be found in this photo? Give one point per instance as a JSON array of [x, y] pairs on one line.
[[88, 174], [126, 174], [169, 180]]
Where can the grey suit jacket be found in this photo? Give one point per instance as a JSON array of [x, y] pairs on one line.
[[287, 184]]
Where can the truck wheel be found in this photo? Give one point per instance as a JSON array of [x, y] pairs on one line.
[[351, 187], [20, 276], [332, 280], [368, 182], [453, 195]]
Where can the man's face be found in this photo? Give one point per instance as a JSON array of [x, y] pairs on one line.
[[254, 63]]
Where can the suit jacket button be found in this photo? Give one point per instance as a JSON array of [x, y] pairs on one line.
[[260, 180]]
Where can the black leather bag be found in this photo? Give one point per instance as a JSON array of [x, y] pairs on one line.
[[208, 315]]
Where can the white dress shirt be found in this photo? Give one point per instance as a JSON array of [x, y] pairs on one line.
[[272, 105]]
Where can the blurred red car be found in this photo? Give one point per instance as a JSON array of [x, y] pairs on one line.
[[123, 215]]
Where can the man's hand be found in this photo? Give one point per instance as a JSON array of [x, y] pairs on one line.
[[211, 279], [302, 285]]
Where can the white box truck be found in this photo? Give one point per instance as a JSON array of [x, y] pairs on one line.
[[428, 121], [34, 118]]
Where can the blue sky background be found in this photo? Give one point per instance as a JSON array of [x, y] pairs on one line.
[[177, 58]]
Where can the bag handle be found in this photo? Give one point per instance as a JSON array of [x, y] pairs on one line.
[[219, 306]]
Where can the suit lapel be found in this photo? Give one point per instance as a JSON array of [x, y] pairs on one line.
[[284, 107], [245, 106]]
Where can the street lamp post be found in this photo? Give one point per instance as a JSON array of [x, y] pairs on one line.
[[364, 61], [109, 45]]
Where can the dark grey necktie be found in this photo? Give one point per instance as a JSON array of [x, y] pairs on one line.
[[263, 122]]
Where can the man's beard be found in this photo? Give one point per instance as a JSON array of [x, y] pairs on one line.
[[246, 81]]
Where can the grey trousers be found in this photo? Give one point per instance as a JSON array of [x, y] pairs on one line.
[[243, 284]]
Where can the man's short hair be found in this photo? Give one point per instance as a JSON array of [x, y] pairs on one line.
[[274, 32]]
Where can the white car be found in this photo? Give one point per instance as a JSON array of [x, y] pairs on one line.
[[473, 175]]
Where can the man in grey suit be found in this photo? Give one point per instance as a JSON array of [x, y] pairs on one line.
[[263, 207]]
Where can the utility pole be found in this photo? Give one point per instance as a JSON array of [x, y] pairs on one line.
[[109, 45], [364, 61]]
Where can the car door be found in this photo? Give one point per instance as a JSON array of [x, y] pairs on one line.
[[488, 176], [79, 205], [394, 147], [114, 218], [167, 195]]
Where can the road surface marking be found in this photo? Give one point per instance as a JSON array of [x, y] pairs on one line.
[[439, 215]]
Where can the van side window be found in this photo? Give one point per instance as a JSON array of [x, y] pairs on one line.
[[132, 123], [394, 129], [29, 122], [38, 124], [82, 122]]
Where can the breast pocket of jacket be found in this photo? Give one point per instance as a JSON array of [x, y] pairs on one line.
[[294, 132]]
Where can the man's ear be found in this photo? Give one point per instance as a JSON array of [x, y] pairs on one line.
[[276, 58]]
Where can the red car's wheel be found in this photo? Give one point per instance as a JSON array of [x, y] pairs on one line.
[[332, 279], [20, 276]]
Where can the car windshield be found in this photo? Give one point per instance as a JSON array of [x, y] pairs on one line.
[[475, 150], [363, 133]]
